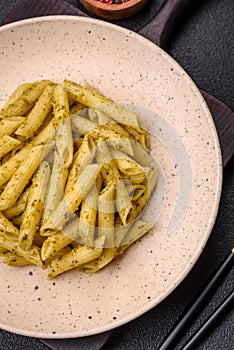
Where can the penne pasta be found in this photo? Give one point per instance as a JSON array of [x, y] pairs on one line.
[[20, 179], [98, 117], [37, 115], [123, 201], [73, 198], [19, 206], [7, 227], [55, 189], [60, 239], [76, 107], [62, 125], [92, 99], [82, 125], [88, 214], [32, 255], [24, 100], [78, 256], [75, 175], [12, 259], [7, 144], [8, 168], [9, 125], [106, 215], [82, 158], [137, 230], [17, 220], [111, 175], [33, 211], [54, 244], [108, 254], [140, 136], [16, 95]]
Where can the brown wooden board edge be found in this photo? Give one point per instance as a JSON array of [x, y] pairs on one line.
[[31, 8]]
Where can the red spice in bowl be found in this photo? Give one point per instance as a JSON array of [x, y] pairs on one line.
[[113, 1], [111, 10]]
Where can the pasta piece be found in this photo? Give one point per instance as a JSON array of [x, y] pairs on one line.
[[53, 244], [106, 212], [108, 254], [137, 230], [64, 142], [113, 136], [55, 191], [104, 158], [76, 107], [25, 100], [9, 125], [62, 125], [128, 167], [18, 92], [59, 240], [33, 211], [120, 232], [90, 87], [19, 206], [8, 168], [83, 157], [123, 201], [45, 135], [88, 214], [44, 178], [7, 144], [6, 226], [20, 179], [143, 158], [32, 255], [134, 233], [82, 125], [37, 115], [12, 259], [92, 99], [136, 191], [78, 256], [138, 205], [98, 117], [17, 220], [38, 239], [73, 198], [2, 251], [140, 135], [111, 176]]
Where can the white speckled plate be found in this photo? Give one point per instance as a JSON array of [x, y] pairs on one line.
[[129, 69]]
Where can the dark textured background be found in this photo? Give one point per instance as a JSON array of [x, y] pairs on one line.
[[203, 44]]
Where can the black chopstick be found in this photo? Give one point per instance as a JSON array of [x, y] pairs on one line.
[[198, 302], [193, 341]]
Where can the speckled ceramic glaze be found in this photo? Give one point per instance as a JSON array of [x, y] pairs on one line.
[[129, 69]]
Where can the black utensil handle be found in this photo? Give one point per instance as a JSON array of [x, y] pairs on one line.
[[198, 302], [209, 322]]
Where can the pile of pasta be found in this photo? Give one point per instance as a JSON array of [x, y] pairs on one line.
[[75, 176]]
